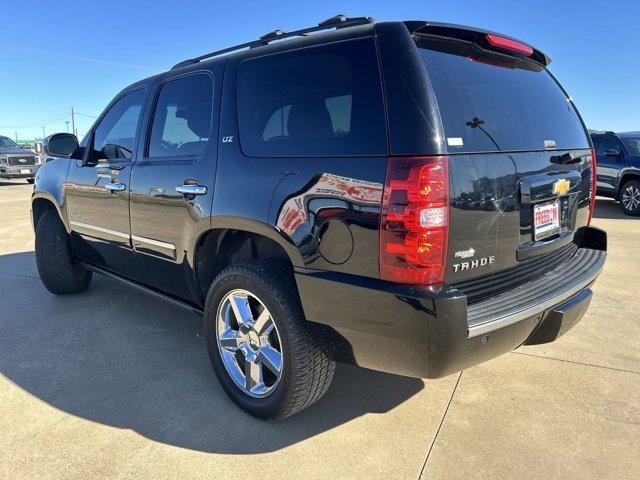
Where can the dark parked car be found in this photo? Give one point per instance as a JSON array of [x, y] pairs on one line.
[[411, 197], [17, 162], [619, 168]]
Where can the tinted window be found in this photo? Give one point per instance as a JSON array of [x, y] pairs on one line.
[[314, 102], [7, 142], [607, 143], [115, 134], [632, 144], [493, 103], [182, 119]]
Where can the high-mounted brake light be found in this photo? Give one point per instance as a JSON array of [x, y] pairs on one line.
[[508, 44], [414, 226], [593, 186]]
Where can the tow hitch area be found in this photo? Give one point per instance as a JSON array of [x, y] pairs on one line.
[[561, 319]]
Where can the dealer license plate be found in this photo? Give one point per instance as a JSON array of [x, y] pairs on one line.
[[546, 220]]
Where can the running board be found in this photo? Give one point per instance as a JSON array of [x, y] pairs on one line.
[[147, 290]]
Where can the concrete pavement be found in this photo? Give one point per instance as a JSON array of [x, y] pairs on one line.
[[114, 383]]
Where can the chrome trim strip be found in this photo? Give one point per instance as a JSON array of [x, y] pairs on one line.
[[96, 228], [155, 243], [505, 321]]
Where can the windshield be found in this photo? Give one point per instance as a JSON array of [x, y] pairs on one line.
[[7, 142], [492, 102], [632, 144]]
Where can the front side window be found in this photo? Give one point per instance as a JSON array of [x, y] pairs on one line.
[[607, 144], [319, 101], [182, 119], [115, 135]]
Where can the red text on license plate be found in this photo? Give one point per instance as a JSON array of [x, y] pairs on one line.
[[546, 216]]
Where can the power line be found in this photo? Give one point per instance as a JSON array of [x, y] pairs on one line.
[[81, 58], [48, 120], [37, 123]]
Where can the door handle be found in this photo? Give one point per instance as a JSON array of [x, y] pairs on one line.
[[115, 187], [192, 189]]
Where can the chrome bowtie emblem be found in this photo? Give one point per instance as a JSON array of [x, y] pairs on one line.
[[465, 253], [562, 186]]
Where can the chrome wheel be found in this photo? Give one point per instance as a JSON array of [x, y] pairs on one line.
[[249, 343], [631, 197]]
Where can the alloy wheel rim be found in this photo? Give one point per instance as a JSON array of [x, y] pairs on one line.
[[631, 197], [249, 343]]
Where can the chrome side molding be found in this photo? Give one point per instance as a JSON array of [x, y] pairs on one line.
[[126, 236], [96, 228]]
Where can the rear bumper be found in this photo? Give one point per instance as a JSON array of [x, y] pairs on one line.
[[430, 333]]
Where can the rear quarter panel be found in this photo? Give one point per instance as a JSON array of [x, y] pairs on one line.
[[323, 211]]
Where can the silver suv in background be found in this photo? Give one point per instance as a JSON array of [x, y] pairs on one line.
[[17, 162]]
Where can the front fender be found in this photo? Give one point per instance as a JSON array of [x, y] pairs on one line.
[[49, 186]]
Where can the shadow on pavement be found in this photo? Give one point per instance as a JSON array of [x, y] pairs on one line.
[[116, 356], [607, 208], [13, 183]]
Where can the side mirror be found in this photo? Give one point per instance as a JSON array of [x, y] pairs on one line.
[[612, 152], [60, 145]]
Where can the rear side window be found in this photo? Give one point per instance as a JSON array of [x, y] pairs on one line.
[[182, 118], [632, 144], [486, 106], [320, 101]]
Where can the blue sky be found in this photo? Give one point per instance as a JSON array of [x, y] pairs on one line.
[[48, 55]]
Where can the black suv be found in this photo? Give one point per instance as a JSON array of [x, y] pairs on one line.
[[619, 168], [411, 197]]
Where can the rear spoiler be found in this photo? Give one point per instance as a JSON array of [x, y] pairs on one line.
[[483, 38]]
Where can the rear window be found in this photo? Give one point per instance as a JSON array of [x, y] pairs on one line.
[[494, 103], [320, 101]]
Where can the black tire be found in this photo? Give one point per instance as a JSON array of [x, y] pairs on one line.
[[58, 270], [306, 371], [630, 187], [31, 180]]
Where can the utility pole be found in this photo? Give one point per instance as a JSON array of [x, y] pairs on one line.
[[67, 122], [16, 136], [43, 135], [73, 122]]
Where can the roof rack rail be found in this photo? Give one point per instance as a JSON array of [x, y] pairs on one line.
[[338, 21]]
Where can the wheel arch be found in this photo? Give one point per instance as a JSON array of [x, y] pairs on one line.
[[625, 176], [238, 240], [42, 202]]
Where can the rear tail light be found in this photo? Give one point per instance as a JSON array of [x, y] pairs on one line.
[[593, 185], [414, 225], [508, 44]]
